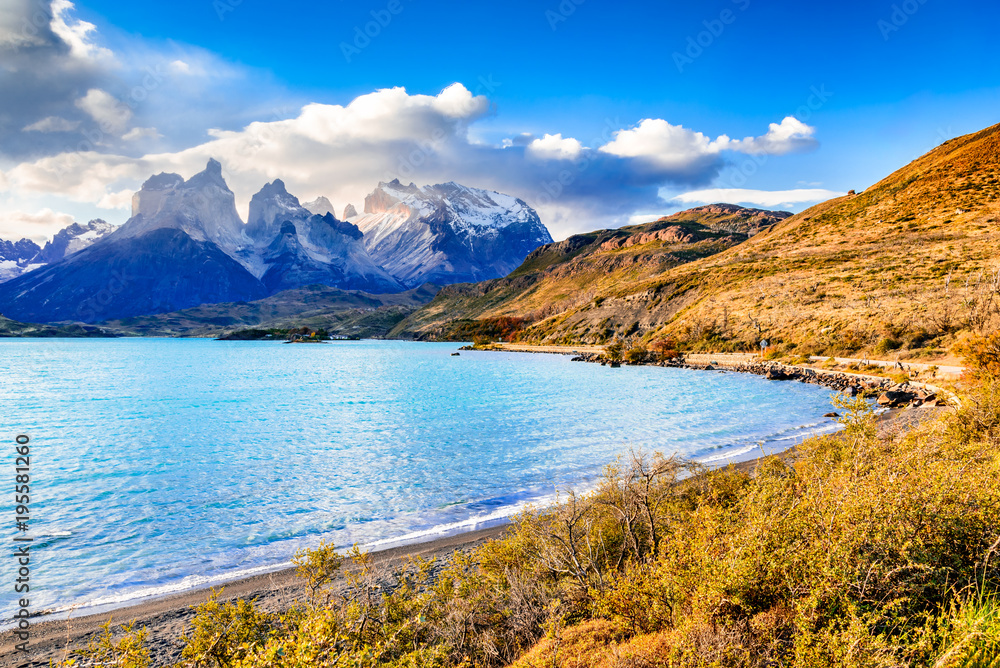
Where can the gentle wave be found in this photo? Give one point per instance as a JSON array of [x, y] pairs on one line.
[[176, 464]]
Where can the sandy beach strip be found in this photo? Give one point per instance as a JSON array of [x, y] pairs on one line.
[[170, 617]]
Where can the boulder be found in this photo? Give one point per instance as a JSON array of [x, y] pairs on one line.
[[895, 399]]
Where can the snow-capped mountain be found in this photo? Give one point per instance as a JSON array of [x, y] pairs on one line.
[[448, 233], [203, 207], [297, 247], [16, 257], [185, 245], [320, 206], [19, 257], [73, 239]]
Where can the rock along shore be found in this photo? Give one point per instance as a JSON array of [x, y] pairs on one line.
[[889, 394]]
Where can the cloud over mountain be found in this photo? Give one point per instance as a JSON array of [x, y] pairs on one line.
[[92, 124]]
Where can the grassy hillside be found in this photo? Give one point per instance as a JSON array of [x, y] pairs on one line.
[[910, 267], [338, 311], [14, 329], [576, 273]]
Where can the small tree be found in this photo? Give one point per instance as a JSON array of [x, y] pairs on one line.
[[615, 352], [636, 355], [317, 566], [665, 348], [225, 633]]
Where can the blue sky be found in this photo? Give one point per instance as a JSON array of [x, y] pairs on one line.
[[868, 86]]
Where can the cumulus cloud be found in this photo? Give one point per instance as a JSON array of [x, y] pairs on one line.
[[76, 34], [52, 124], [554, 147], [765, 198], [668, 145], [38, 226], [135, 134], [342, 151], [658, 141], [107, 111], [789, 136]]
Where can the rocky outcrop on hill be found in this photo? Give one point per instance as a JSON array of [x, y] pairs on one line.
[[670, 235]]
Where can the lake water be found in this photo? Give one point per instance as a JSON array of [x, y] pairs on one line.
[[159, 465]]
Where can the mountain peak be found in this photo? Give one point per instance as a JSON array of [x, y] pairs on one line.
[[275, 188], [448, 232], [319, 206], [211, 175], [163, 181]]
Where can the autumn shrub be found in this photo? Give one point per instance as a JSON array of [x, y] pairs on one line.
[[887, 345], [856, 550], [637, 355], [123, 649], [225, 632], [666, 348]]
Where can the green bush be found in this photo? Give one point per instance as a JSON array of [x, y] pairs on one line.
[[887, 345]]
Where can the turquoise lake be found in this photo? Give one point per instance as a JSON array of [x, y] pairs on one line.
[[159, 465]]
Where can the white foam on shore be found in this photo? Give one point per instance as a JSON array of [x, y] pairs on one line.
[[194, 582], [797, 435], [495, 518]]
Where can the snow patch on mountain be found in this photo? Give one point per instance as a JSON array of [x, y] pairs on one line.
[[448, 232]]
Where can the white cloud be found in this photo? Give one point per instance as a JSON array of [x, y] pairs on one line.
[[53, 124], [765, 198], [76, 33], [37, 226], [111, 114], [342, 151], [81, 177], [658, 141], [180, 67], [119, 200], [554, 147], [789, 136], [136, 134], [15, 31]]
